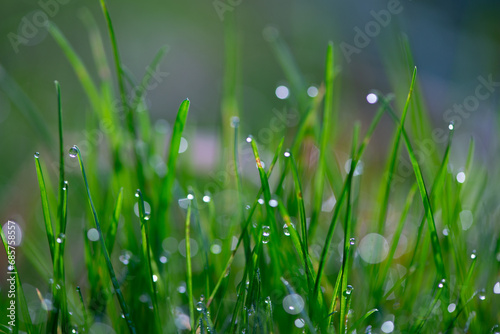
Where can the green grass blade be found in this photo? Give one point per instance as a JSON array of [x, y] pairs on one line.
[[45, 205], [146, 253], [84, 310], [168, 182], [75, 152], [325, 136], [24, 104], [113, 227], [78, 66], [189, 272], [360, 320], [10, 251]]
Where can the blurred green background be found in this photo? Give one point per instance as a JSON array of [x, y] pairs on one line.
[[453, 42]]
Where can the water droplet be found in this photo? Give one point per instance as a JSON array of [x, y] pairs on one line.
[[206, 199], [260, 201], [247, 207], [182, 288], [312, 91], [352, 241], [282, 92], [461, 177], [348, 290], [155, 278], [287, 154], [73, 152], [58, 287], [372, 98], [123, 316], [441, 284], [299, 323], [93, 234], [273, 203], [249, 139], [473, 254], [293, 304], [268, 300], [496, 288], [286, 231], [235, 121], [482, 295], [387, 327], [216, 247], [125, 257], [163, 259], [190, 196], [37, 155], [60, 238], [452, 307], [266, 232], [199, 306], [451, 125]]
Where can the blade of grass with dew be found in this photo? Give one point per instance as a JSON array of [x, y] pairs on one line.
[[75, 153], [84, 310], [437, 252], [303, 313], [189, 273], [302, 221], [21, 299], [113, 227], [289, 66], [389, 171], [245, 228], [326, 129], [419, 325], [146, 253], [168, 181], [345, 289], [45, 205], [358, 322], [78, 66], [338, 204]]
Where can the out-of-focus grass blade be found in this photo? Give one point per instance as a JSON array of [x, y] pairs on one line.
[[25, 106], [168, 182], [326, 131], [303, 313], [75, 152], [189, 273], [419, 325], [146, 253], [392, 162], [338, 204], [113, 227], [45, 205], [78, 66], [9, 249], [84, 311], [288, 65], [360, 320]]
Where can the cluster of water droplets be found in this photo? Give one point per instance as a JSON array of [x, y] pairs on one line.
[[266, 233]]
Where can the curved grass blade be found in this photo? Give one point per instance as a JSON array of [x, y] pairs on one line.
[[146, 253], [360, 320], [113, 227], [45, 205], [78, 66], [75, 152], [21, 299], [168, 182], [325, 136]]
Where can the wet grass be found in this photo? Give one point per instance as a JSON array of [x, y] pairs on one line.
[[268, 256]]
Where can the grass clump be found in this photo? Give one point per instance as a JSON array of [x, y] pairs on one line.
[[259, 257]]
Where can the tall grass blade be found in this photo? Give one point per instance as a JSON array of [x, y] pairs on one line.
[[45, 205]]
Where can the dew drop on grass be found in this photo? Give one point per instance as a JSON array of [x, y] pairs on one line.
[[249, 139], [312, 91], [163, 259], [282, 92], [266, 232], [352, 241], [451, 126], [190, 196], [261, 201], [286, 231], [473, 254], [461, 177], [155, 278], [452, 307], [293, 304], [235, 121], [60, 238], [268, 300], [387, 327], [299, 323], [206, 199], [496, 288], [348, 290], [273, 203], [73, 152], [481, 295], [441, 283], [37, 155], [372, 98], [287, 154]]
